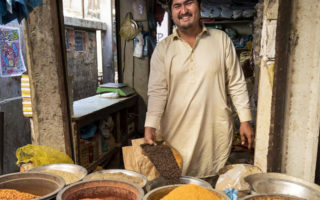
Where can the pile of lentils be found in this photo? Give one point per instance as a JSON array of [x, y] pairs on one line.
[[163, 159]]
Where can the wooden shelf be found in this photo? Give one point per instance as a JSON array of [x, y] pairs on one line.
[[105, 157], [216, 22], [228, 22]]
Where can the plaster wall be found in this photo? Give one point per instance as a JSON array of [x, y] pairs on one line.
[[302, 95]]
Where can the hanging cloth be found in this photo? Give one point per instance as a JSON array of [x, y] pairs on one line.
[[16, 9]]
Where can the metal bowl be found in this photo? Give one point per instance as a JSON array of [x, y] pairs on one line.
[[108, 188], [124, 171], [270, 197], [74, 169], [42, 184], [159, 182], [160, 192], [276, 183]]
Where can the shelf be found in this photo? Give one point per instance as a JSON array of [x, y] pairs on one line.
[[214, 22], [105, 157], [242, 49]]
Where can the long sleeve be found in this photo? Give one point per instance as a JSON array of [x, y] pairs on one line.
[[157, 89], [237, 86]]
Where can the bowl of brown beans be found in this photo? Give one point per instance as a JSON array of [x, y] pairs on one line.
[[24, 186]]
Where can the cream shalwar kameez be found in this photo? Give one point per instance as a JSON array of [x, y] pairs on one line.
[[187, 100]]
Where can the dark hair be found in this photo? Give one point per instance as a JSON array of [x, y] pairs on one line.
[[170, 4]]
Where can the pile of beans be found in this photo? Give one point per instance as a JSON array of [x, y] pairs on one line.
[[163, 159]]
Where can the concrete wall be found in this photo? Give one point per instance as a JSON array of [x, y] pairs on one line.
[[267, 57], [82, 64], [16, 126], [302, 110]]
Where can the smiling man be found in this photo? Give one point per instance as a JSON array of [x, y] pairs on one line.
[[192, 72]]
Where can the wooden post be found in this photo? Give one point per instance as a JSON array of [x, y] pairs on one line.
[[47, 69]]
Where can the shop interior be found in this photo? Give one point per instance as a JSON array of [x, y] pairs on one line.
[[80, 93]]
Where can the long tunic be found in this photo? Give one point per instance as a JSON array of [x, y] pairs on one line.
[[187, 98]]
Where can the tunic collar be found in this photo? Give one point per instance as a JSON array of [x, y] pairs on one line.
[[176, 35]]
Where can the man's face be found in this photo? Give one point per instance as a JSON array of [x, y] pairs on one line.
[[185, 13]]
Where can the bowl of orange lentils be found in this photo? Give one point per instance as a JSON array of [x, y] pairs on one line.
[[25, 186]]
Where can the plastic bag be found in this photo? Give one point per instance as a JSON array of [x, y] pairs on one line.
[[41, 155], [232, 193], [233, 179], [128, 31], [138, 44]]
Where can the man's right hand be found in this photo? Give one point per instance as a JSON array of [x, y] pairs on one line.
[[150, 135]]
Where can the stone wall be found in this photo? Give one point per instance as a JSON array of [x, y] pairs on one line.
[[82, 61]]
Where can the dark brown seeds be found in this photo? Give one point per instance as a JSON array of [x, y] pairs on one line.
[[162, 158]]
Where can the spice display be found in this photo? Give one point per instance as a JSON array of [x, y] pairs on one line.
[[118, 176], [67, 176], [163, 159], [192, 192], [11, 194]]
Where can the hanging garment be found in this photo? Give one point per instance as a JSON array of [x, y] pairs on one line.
[[16, 9]]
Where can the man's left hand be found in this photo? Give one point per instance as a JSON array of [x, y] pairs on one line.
[[246, 132]]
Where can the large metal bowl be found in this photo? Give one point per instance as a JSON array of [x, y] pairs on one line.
[[42, 184], [160, 192], [110, 171], [109, 189], [159, 182], [270, 197], [74, 169], [276, 183]]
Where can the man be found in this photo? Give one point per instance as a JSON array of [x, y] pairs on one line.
[[192, 71]]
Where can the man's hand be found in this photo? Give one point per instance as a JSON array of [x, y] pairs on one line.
[[150, 135], [246, 132]]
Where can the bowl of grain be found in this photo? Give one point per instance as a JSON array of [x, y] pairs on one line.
[[71, 173], [119, 174]]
